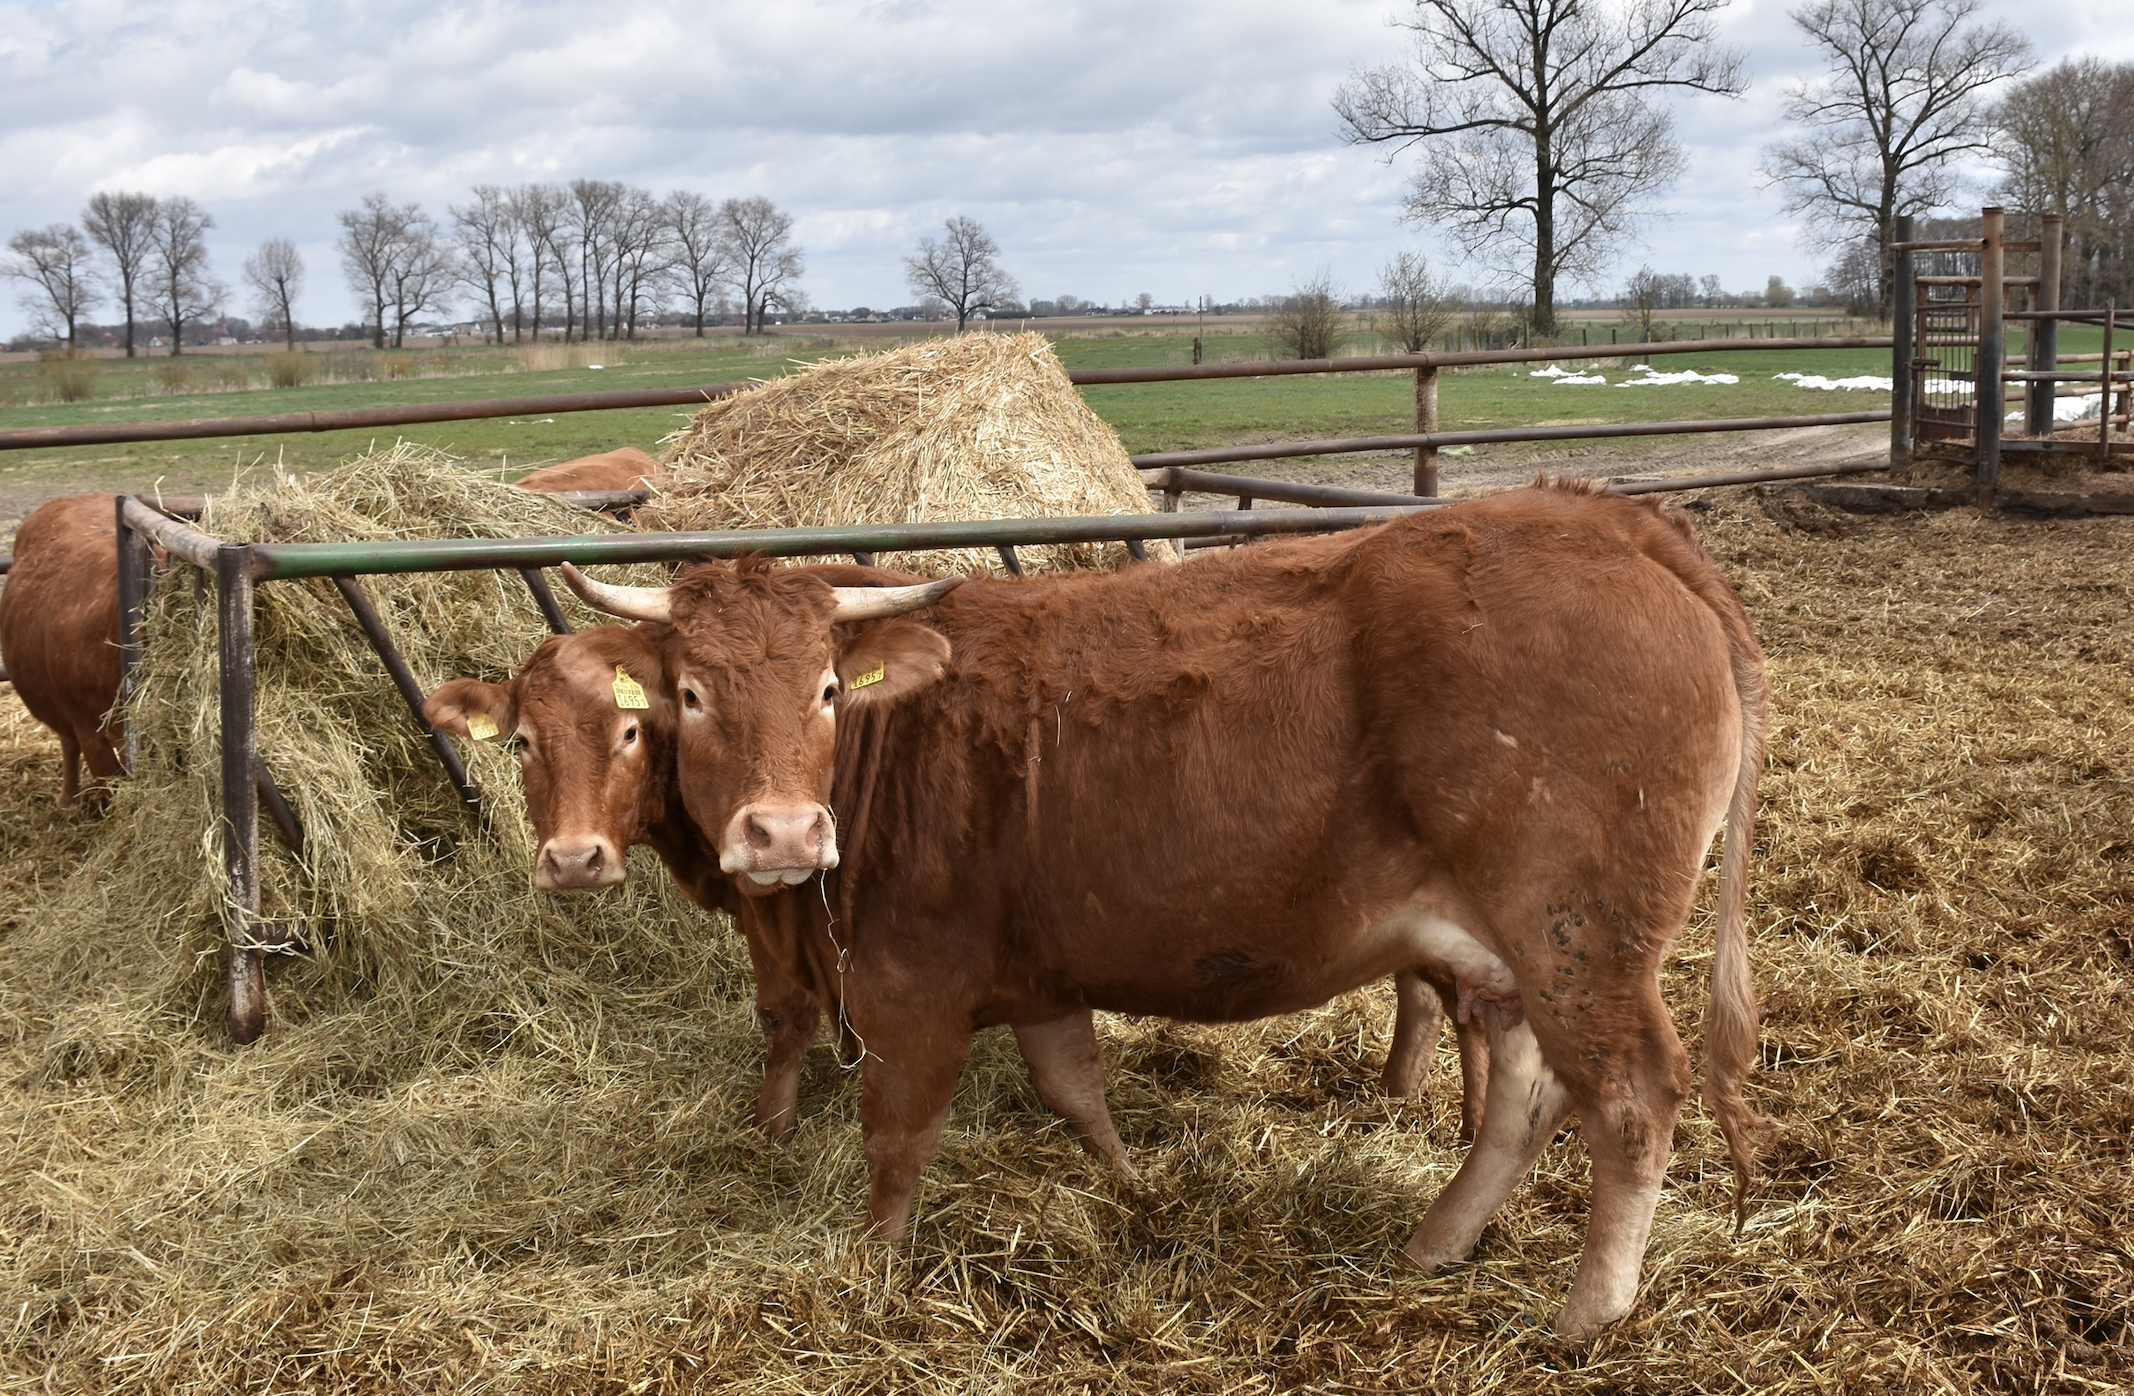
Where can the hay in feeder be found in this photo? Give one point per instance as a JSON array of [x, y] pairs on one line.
[[982, 426]]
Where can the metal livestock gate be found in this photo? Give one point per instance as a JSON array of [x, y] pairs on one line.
[[238, 568]]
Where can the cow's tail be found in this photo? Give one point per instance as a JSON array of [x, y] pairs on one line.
[[1730, 1019]]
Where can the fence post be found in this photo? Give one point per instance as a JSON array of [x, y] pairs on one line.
[[1902, 351], [1990, 393], [133, 565], [1425, 425], [240, 790], [2104, 386], [2044, 345]]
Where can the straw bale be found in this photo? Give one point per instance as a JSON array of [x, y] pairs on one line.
[[530, 1168], [980, 426]]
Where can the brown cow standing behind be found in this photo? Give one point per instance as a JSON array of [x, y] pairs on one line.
[[599, 778], [1495, 740], [624, 469], [59, 631]]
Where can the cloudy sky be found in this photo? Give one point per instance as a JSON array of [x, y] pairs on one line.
[[1180, 147]]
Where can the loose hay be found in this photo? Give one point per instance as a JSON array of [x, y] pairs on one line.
[[525, 1165], [981, 426]]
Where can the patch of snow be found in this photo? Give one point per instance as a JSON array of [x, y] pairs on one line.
[[1866, 381], [2067, 409], [1654, 379], [1552, 371], [1579, 378]]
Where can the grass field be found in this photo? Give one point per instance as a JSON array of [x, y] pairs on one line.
[[563, 1194], [1148, 417]]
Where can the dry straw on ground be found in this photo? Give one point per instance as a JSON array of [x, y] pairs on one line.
[[507, 1149], [981, 426]]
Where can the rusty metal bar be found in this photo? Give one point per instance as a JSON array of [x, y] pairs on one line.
[[285, 821], [1426, 481], [190, 544], [1943, 245], [410, 691], [1179, 478], [1990, 392], [134, 565], [1378, 363], [360, 418], [1280, 450], [1904, 291], [240, 789], [545, 599], [1742, 477]]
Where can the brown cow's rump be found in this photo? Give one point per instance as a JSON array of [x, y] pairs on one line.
[[624, 469], [1492, 742], [59, 631]]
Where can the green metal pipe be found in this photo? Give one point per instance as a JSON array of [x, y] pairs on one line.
[[283, 561]]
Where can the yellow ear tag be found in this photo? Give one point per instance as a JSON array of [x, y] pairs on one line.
[[480, 727], [874, 675], [629, 693]]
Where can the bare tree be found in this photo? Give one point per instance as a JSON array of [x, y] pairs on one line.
[[55, 263], [594, 203], [2067, 138], [961, 269], [698, 266], [421, 273], [1417, 305], [1533, 123], [1304, 322], [759, 247], [1901, 102], [124, 226], [276, 275], [181, 290], [642, 250], [491, 253], [370, 241], [540, 209]]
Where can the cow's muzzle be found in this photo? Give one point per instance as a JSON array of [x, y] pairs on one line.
[[778, 845], [577, 864]]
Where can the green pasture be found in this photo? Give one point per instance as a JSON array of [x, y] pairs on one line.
[[1148, 417]]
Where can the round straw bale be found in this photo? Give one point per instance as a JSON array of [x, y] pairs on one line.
[[981, 426]]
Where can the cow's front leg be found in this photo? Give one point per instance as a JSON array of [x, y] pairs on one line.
[[906, 1081], [1068, 1070], [788, 1016]]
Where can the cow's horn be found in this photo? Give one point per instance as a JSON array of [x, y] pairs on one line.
[[631, 603], [872, 603]]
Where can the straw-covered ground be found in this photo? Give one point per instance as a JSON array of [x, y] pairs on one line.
[[497, 1142]]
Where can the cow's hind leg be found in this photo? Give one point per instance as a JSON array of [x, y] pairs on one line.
[[906, 1081], [1415, 1024], [1526, 1103], [70, 768], [1068, 1070], [1627, 1108]]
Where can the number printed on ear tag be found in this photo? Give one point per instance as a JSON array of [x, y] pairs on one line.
[[480, 727], [874, 675], [629, 693]]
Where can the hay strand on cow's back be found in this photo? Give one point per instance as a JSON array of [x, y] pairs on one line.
[[981, 426]]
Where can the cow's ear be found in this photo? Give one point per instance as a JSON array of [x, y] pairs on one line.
[[886, 661], [471, 708]]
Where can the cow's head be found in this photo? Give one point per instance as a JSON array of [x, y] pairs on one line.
[[761, 661], [594, 725]]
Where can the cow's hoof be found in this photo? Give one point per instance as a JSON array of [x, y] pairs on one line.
[[1428, 1259], [1580, 1321]]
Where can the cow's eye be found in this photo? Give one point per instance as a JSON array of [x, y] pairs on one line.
[[690, 699], [629, 735], [830, 692]]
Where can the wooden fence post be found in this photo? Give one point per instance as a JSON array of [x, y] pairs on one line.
[[1989, 394], [1426, 424], [2104, 386]]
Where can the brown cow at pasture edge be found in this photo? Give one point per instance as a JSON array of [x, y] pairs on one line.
[[59, 632], [624, 469], [1494, 740]]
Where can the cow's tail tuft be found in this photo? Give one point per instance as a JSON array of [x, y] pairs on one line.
[[1730, 1019]]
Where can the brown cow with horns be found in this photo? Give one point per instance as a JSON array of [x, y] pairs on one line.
[[1494, 740]]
